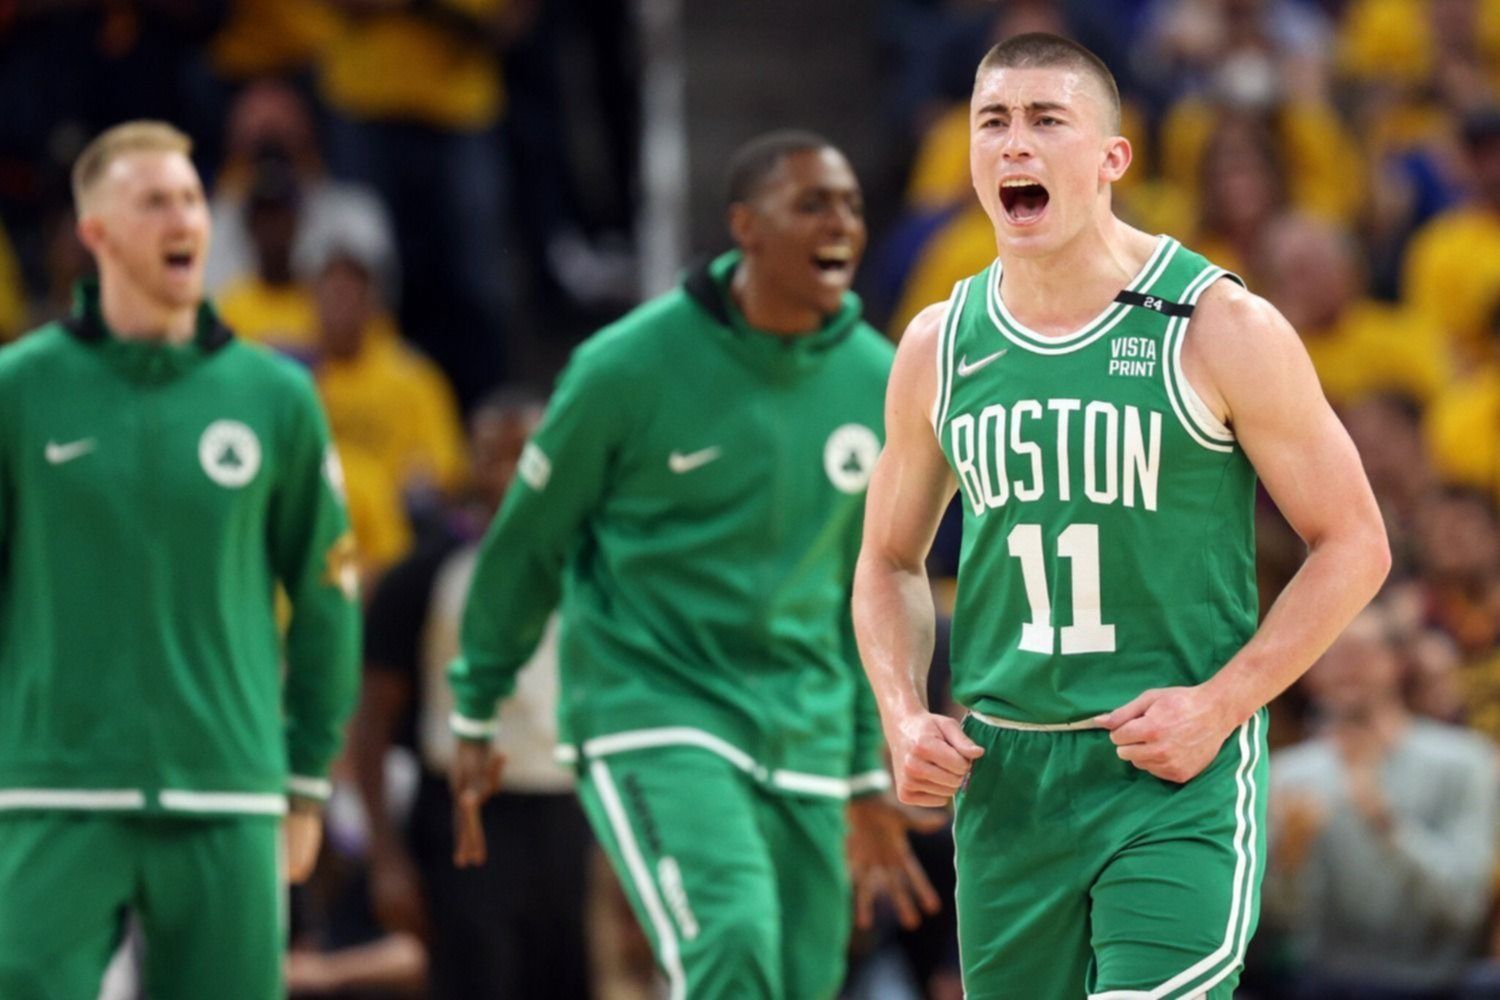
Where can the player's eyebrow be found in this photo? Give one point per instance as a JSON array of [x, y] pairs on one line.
[[1034, 107]]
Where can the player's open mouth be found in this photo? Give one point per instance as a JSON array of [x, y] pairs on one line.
[[835, 262], [1023, 199], [179, 261]]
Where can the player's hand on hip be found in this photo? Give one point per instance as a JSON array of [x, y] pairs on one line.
[[303, 832], [930, 758], [1173, 733], [473, 777], [881, 862]]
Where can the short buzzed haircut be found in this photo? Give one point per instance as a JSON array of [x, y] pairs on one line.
[[1041, 50], [757, 159], [141, 136]]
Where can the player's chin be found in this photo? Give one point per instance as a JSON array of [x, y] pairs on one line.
[[180, 290]]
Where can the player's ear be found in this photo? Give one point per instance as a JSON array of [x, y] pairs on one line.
[[1117, 157], [90, 230], [741, 220]]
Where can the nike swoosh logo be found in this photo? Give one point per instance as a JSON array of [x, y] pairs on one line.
[[680, 463], [965, 369], [57, 454]]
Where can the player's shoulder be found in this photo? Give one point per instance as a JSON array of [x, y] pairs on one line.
[[34, 348], [264, 367], [1229, 320], [637, 343], [922, 333], [918, 346], [870, 348]]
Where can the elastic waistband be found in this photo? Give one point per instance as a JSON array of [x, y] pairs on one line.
[[1034, 727]]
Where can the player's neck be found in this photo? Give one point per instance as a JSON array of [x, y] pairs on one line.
[[765, 309], [1061, 291], [131, 314]]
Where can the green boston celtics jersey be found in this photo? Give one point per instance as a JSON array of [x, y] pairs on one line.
[[1108, 540]]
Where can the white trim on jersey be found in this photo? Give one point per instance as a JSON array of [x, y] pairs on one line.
[[1023, 336], [71, 798], [1202, 425], [474, 729], [821, 785], [309, 788], [947, 336], [249, 803]]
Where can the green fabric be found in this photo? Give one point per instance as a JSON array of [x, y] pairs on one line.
[[1079, 874], [151, 498], [208, 894], [695, 498], [1108, 540], [742, 894]]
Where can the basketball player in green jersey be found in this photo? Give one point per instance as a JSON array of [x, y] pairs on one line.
[[1104, 400]]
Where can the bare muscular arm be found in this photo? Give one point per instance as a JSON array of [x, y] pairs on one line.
[[893, 610], [1250, 367]]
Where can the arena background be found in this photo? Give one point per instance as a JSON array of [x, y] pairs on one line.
[[427, 200]]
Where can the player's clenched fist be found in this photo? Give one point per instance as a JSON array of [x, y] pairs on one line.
[[930, 757], [1173, 733]]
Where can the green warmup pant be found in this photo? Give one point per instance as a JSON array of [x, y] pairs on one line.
[[742, 892], [208, 894], [1081, 875]]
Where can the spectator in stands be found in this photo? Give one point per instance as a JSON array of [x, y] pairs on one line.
[[1453, 264], [425, 137], [384, 400], [1382, 834], [1311, 271], [1240, 47], [1462, 423], [270, 305], [1241, 189], [1450, 47], [1459, 591], [514, 928], [270, 121], [1387, 430]]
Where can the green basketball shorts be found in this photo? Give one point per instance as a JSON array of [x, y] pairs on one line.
[[208, 893], [1080, 875], [743, 893]]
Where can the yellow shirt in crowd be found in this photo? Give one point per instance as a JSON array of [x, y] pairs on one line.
[[382, 532], [280, 316], [401, 65], [272, 37], [1453, 275], [1463, 431], [1324, 168], [394, 405], [1391, 40], [1375, 347]]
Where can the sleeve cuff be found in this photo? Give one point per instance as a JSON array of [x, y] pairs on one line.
[[309, 788], [868, 783], [474, 729]]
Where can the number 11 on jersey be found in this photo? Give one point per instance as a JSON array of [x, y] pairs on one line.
[[1079, 544]]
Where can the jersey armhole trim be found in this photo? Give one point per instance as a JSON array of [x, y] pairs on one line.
[[947, 335], [1202, 425]]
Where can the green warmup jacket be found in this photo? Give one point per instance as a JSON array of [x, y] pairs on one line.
[[151, 498], [695, 495]]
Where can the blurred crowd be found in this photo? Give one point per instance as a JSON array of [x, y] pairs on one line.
[[426, 199]]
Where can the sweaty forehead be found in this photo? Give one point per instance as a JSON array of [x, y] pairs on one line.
[[1015, 87]]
